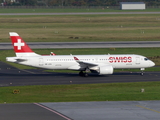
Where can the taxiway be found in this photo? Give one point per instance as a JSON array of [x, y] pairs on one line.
[[51, 45], [105, 110], [81, 13], [11, 76]]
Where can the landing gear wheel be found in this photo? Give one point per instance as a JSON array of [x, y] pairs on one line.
[[85, 75], [142, 73], [81, 73], [142, 69]]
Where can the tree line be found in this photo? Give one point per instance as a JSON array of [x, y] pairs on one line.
[[74, 2]]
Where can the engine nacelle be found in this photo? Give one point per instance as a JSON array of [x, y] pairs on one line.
[[105, 70]]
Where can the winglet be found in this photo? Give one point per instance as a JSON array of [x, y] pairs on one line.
[[76, 59], [52, 54]]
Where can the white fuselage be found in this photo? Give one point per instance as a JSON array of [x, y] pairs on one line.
[[121, 61]]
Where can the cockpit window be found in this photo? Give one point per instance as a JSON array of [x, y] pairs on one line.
[[146, 59]]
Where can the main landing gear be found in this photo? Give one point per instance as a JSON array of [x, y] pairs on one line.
[[84, 74]]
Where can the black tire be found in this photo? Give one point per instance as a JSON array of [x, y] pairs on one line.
[[81, 73]]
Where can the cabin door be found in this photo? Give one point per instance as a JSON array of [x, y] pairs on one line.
[[137, 60], [40, 61]]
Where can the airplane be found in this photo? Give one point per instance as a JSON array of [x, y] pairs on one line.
[[100, 64]]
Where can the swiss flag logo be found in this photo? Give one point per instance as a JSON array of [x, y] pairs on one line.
[[19, 45]]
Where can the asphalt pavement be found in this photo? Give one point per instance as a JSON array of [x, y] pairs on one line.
[[104, 110], [51, 45], [107, 110], [11, 76], [81, 13]]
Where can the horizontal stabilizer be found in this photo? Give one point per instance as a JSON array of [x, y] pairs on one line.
[[21, 60]]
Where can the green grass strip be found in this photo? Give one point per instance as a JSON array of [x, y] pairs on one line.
[[81, 92]]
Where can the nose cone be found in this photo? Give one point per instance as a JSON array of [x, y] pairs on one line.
[[152, 64]]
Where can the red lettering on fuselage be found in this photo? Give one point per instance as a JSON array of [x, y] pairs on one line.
[[120, 59]]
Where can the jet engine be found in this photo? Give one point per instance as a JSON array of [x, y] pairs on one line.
[[105, 70], [102, 69]]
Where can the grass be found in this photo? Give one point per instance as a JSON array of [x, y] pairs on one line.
[[87, 28], [85, 92]]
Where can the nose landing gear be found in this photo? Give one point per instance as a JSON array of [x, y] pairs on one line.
[[142, 69]]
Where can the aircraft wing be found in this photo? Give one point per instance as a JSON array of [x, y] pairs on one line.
[[84, 64]]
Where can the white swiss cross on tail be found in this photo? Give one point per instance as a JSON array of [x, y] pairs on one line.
[[19, 44]]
